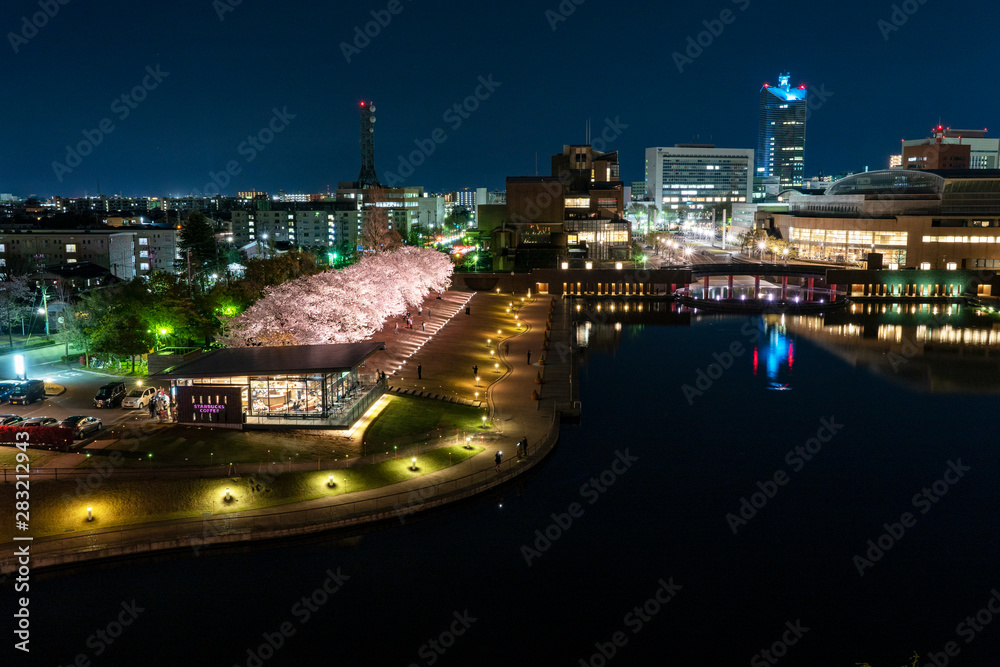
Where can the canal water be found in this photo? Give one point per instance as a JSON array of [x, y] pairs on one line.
[[740, 490]]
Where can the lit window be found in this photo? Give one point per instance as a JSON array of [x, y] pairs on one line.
[[144, 266], [143, 241], [70, 247]]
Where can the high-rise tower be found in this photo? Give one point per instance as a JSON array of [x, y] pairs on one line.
[[781, 132], [367, 177]]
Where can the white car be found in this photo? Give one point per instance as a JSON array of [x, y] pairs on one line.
[[138, 397]]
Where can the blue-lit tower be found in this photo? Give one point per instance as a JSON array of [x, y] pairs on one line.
[[781, 132]]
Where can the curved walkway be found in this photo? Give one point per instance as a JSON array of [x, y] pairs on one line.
[[444, 346]]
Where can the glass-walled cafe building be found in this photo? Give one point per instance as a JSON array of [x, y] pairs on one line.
[[295, 386]]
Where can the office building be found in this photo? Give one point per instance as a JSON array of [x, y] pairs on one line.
[[698, 176], [983, 152], [781, 132]]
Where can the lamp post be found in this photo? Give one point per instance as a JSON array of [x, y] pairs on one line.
[[44, 310]]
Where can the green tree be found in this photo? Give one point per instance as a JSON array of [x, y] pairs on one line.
[[15, 301], [198, 239], [127, 335]]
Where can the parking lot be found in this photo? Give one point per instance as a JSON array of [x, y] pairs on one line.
[[80, 384]]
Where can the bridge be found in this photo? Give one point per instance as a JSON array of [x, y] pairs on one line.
[[758, 269]]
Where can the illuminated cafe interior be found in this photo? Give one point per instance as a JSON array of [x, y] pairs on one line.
[[293, 386]]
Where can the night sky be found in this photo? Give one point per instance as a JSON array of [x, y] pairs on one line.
[[222, 80]]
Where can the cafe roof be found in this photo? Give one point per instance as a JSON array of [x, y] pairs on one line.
[[271, 361]]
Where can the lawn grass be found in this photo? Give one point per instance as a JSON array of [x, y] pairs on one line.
[[404, 422], [37, 458], [60, 507], [176, 445], [410, 419]]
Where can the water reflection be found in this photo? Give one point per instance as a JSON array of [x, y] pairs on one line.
[[938, 348], [597, 323], [775, 350]]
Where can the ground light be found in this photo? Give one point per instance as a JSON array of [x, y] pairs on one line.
[[413, 463], [477, 384], [484, 421], [468, 442], [496, 368], [228, 495], [90, 514], [330, 482]]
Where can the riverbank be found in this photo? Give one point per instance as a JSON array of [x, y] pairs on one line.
[[446, 341]]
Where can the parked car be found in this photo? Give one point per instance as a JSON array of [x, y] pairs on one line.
[[40, 421], [110, 395], [10, 420], [138, 397], [6, 389], [82, 426], [27, 392]]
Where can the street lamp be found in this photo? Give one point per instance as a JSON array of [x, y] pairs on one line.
[[44, 310]]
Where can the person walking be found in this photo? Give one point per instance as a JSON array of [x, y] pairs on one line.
[[529, 357], [423, 326], [397, 328], [518, 450], [524, 446], [498, 458], [419, 371], [475, 370], [506, 347], [151, 406], [420, 311]]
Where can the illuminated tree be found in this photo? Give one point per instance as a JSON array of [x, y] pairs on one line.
[[343, 306]]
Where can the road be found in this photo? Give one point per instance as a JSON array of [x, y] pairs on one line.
[[81, 385]]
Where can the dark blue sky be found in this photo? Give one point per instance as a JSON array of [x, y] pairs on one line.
[[224, 79]]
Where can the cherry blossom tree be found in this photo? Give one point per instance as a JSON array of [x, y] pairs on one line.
[[344, 306]]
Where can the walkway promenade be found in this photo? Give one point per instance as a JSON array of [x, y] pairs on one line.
[[445, 343]]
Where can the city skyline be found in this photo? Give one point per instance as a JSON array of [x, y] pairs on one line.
[[192, 101]]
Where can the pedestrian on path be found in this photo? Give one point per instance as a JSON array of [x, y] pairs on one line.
[[397, 328], [520, 453], [498, 458], [420, 370], [524, 446], [152, 406], [506, 347], [428, 313], [423, 326], [529, 357], [475, 370], [420, 311]]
